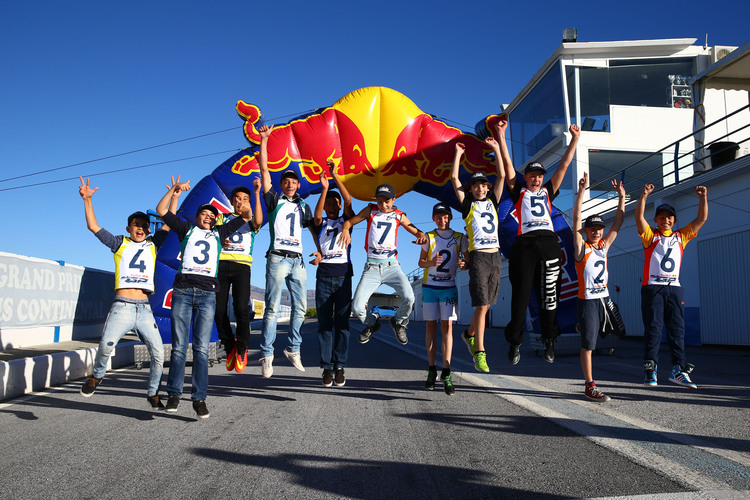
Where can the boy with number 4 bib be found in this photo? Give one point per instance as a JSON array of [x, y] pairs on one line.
[[661, 293], [440, 258]]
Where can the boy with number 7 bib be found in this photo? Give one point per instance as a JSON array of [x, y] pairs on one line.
[[194, 293]]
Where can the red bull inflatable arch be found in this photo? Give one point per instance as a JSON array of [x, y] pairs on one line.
[[373, 135]]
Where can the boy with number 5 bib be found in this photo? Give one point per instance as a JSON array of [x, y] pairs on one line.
[[661, 293], [194, 293]]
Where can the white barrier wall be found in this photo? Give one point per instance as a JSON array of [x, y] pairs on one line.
[[44, 301]]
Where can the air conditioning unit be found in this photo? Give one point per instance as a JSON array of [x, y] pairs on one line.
[[720, 51]]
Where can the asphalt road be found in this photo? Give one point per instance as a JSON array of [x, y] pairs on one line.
[[517, 432]]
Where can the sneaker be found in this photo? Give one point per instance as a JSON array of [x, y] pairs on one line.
[[470, 342], [431, 377], [650, 367], [327, 377], [448, 385], [400, 331], [369, 330], [266, 366], [549, 350], [231, 358], [594, 394], [240, 361], [172, 403], [480, 361], [681, 377], [155, 402], [295, 359], [339, 379], [514, 354], [200, 408], [88, 387]]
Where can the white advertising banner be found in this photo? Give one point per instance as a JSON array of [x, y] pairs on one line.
[[38, 292]]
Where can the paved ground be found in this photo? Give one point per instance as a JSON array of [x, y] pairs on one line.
[[517, 432]]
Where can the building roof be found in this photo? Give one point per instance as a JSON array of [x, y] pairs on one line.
[[731, 72]]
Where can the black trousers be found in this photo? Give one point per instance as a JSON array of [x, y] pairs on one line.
[[237, 276], [535, 262]]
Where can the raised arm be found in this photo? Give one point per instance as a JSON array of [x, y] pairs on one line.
[[407, 224], [567, 158], [174, 190], [460, 148], [265, 175], [345, 237], [318, 215], [702, 217], [619, 215], [258, 210], [500, 158], [578, 245], [86, 193], [640, 221], [345, 196]]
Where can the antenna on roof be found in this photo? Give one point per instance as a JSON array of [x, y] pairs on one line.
[[705, 46]]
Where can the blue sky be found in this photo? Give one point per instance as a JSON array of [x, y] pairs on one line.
[[84, 80]]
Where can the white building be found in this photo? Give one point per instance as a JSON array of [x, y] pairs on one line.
[[666, 112]]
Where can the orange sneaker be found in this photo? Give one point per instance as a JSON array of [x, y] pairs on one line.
[[241, 361], [231, 358]]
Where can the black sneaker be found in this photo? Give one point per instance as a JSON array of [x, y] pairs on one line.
[[448, 385], [514, 354], [431, 377], [549, 350], [400, 331], [369, 330], [339, 379], [172, 403], [200, 408], [88, 387], [327, 377], [155, 402]]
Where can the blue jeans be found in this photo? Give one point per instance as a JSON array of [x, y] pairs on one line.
[[383, 273], [333, 300], [198, 306], [124, 316], [278, 271], [662, 305]]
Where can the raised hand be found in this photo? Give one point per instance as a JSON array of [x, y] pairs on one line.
[[85, 189]]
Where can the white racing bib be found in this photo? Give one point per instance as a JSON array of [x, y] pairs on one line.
[[134, 264]]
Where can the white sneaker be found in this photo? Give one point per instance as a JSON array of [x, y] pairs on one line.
[[266, 364], [295, 359]]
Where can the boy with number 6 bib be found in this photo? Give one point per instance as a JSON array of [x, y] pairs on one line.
[[661, 293]]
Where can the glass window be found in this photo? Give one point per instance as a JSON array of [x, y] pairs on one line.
[[591, 94], [607, 165], [539, 118], [651, 82]]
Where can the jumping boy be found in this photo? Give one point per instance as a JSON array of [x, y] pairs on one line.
[[591, 267], [135, 260], [194, 293], [287, 215], [536, 257], [440, 258], [479, 201], [235, 264], [661, 293], [333, 281], [382, 268]]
